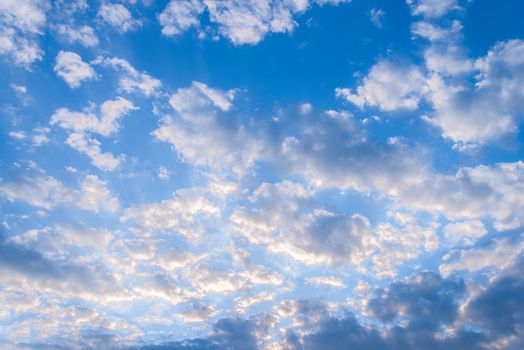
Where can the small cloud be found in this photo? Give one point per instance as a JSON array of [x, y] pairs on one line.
[[326, 281], [19, 88], [376, 17], [305, 108], [17, 135], [163, 173], [70, 67]]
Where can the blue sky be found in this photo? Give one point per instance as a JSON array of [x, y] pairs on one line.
[[276, 175]]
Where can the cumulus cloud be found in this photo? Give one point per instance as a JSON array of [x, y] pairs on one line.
[[283, 219], [33, 187], [246, 22], [389, 86], [118, 16], [57, 240], [81, 125], [24, 265], [488, 110], [334, 152], [496, 254], [84, 35], [131, 80], [464, 232], [70, 67], [432, 8], [179, 16], [21, 23], [184, 214], [203, 134]]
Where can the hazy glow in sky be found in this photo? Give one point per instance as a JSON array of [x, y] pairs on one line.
[[262, 174]]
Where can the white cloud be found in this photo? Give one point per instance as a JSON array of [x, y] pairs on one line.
[[180, 15], [204, 135], [56, 242], [163, 173], [131, 80], [475, 102], [197, 312], [17, 135], [91, 147], [84, 35], [111, 111], [464, 232], [81, 124], [498, 254], [47, 192], [393, 243], [119, 17], [280, 218], [70, 67], [376, 16], [244, 22], [305, 108], [248, 22], [40, 136], [21, 22], [242, 304], [185, 214], [432, 8], [19, 88], [388, 86], [326, 281]]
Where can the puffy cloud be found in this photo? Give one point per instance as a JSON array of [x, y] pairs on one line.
[[246, 22], [111, 111], [282, 218], [185, 214], [475, 102], [482, 191], [91, 148], [393, 243], [81, 124], [58, 239], [131, 80], [70, 67], [464, 232], [496, 254], [17, 135], [84, 35], [118, 16], [21, 22], [333, 151], [250, 21], [432, 8], [47, 192], [178, 16], [242, 304], [203, 134], [197, 312], [22, 265], [389, 86]]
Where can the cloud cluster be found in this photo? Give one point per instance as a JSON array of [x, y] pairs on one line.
[[204, 134], [246, 22], [80, 126], [21, 23]]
